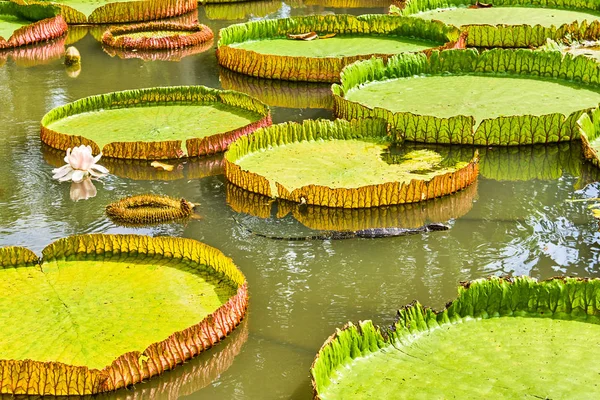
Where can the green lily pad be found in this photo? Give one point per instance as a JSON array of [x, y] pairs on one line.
[[510, 23], [547, 17], [482, 97], [338, 46], [496, 97], [24, 24], [87, 293], [500, 339], [342, 164], [118, 11], [266, 48], [153, 123]]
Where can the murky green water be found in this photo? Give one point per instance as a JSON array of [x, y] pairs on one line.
[[514, 221]]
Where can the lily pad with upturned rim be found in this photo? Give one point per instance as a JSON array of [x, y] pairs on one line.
[[262, 48], [149, 209], [117, 309], [461, 112], [118, 11], [157, 36], [501, 338], [22, 24], [510, 23], [340, 164], [152, 123]]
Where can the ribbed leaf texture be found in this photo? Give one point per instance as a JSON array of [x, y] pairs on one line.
[[46, 24], [182, 36]]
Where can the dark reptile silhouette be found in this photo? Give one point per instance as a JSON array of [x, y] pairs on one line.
[[363, 233]]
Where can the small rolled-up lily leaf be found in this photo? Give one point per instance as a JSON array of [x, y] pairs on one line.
[[118, 11], [152, 124], [115, 309], [501, 338], [148, 209], [340, 164], [262, 48], [510, 23], [25, 24], [547, 111], [157, 36], [408, 216], [303, 36]]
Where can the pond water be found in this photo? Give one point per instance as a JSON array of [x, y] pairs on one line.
[[516, 220]]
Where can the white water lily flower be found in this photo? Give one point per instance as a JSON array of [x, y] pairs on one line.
[[80, 163]]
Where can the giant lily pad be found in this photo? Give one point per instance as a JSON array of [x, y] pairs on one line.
[[118, 11], [22, 25], [501, 338], [157, 36], [510, 23], [496, 97], [115, 309], [342, 164], [152, 123], [263, 48]]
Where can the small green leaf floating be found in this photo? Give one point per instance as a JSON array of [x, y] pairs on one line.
[[501, 338]]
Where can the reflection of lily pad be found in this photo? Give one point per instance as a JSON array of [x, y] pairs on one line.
[[157, 36], [277, 93], [39, 54], [117, 11], [407, 216], [544, 162], [500, 339], [510, 23], [241, 10], [339, 164], [22, 24], [178, 295], [262, 49], [159, 55], [474, 95], [152, 123]]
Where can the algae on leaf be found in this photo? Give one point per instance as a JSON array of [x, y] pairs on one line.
[[498, 339]]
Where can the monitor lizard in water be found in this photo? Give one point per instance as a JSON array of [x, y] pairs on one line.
[[363, 233]]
